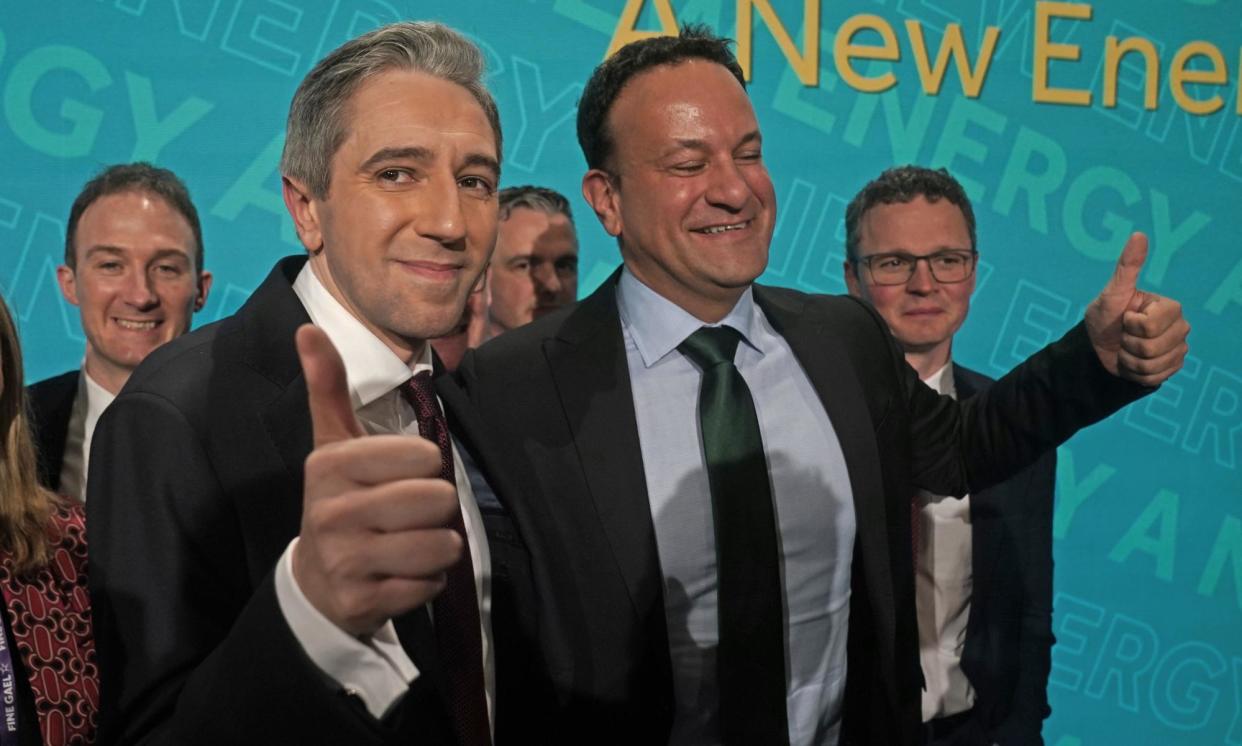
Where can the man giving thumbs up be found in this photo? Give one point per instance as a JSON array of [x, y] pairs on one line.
[[278, 556]]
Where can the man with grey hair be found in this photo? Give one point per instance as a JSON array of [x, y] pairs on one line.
[[533, 272], [269, 549], [535, 268]]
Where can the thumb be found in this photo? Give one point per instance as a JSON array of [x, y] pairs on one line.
[[332, 413], [1129, 265]]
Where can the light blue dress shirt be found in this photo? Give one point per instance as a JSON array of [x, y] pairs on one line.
[[810, 489]]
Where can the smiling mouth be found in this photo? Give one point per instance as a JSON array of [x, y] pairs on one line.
[[432, 270], [717, 229], [137, 326]]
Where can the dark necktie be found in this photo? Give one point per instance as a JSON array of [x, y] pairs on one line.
[[750, 658], [456, 609]]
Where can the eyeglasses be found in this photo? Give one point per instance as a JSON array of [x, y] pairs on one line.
[[955, 265]]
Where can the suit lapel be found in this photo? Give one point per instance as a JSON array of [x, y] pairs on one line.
[[983, 513], [823, 355], [52, 407], [589, 368], [473, 435], [271, 318]]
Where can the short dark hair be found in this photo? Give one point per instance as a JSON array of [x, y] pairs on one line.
[[533, 197], [902, 184], [135, 177], [695, 42]]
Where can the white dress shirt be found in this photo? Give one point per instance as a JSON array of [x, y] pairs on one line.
[[90, 402], [942, 589], [377, 670], [811, 495]]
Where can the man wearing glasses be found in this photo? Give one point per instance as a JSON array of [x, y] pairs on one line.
[[983, 562]]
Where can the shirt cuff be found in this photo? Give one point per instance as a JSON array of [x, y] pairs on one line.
[[377, 671]]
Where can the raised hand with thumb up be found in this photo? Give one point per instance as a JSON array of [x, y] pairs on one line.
[[374, 541], [1137, 335]]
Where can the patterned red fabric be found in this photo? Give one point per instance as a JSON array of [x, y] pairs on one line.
[[456, 609], [50, 616]]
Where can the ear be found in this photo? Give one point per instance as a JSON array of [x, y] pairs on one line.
[[204, 287], [67, 280], [601, 193], [303, 208], [851, 279]]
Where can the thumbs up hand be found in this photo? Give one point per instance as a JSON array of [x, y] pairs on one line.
[[374, 541], [1137, 335]]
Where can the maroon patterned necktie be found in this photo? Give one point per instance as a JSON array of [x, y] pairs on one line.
[[456, 609]]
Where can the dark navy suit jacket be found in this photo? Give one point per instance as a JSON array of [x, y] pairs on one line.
[[1009, 632], [51, 406]]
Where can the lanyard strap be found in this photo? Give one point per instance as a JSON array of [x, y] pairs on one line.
[[8, 692]]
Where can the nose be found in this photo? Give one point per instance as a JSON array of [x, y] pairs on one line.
[[921, 282], [728, 188], [440, 214], [139, 291], [547, 281]]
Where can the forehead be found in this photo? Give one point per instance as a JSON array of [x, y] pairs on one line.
[[918, 226], [131, 219], [397, 108], [693, 99], [527, 229]]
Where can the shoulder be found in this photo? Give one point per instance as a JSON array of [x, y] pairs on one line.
[[973, 380], [54, 388], [68, 533], [833, 308], [63, 580], [526, 339], [178, 368], [232, 361], [839, 319]]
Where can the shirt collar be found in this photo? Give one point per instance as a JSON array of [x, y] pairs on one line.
[[942, 381], [371, 368], [97, 399], [657, 325]]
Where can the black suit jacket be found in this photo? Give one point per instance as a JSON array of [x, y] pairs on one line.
[[195, 491], [51, 406], [1008, 650], [556, 393]]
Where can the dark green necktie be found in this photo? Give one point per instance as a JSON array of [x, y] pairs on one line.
[[750, 658]]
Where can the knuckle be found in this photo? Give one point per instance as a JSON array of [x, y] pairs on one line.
[[317, 465], [316, 517], [441, 500], [342, 565], [325, 516], [454, 544], [356, 602], [441, 549]]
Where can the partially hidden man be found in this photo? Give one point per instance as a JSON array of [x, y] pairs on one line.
[[274, 558], [720, 473], [134, 268], [983, 561]]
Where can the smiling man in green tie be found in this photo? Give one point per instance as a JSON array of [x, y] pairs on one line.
[[723, 470]]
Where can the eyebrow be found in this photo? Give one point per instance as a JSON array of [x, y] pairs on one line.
[[419, 153], [120, 252], [415, 153], [486, 161], [907, 252], [103, 249], [693, 143]]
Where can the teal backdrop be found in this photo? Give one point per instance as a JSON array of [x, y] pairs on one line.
[[1148, 533]]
